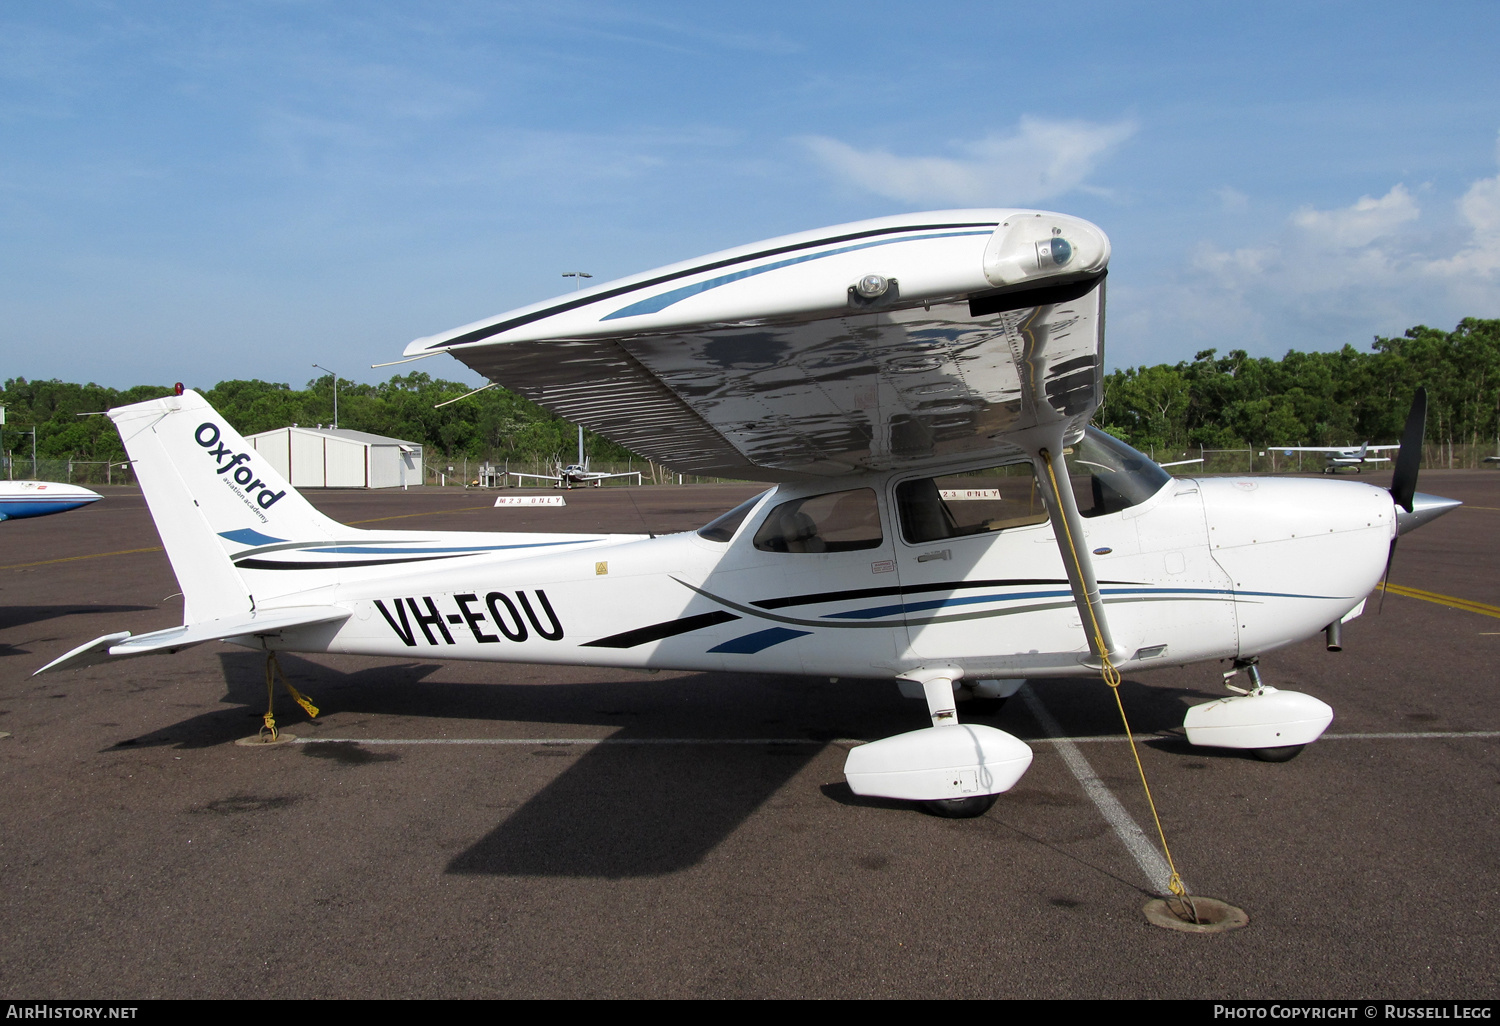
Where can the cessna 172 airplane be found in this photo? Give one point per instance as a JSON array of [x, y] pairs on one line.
[[917, 391], [1349, 456], [22, 499], [576, 473]]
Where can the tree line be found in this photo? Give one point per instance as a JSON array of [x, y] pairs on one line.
[[1212, 401], [1338, 398], [493, 424]]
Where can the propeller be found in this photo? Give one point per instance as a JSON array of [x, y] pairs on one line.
[[1409, 458], [1404, 480]]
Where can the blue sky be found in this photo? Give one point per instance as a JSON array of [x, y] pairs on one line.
[[199, 191]]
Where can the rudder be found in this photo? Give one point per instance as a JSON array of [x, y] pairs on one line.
[[208, 489]]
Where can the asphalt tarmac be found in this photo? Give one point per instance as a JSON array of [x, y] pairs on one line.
[[712, 848]]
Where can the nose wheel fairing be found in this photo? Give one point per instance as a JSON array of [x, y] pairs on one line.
[[1263, 719]]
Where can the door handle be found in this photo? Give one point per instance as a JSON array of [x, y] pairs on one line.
[[939, 554]]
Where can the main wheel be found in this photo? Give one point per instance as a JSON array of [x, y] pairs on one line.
[[960, 808], [1286, 753]]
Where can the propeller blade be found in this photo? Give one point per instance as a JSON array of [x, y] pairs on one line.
[[1404, 480], [1409, 458], [1384, 581]]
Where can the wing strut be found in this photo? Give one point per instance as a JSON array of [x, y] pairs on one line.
[[1067, 525]]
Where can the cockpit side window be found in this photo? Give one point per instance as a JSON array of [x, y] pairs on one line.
[[973, 502], [832, 522]]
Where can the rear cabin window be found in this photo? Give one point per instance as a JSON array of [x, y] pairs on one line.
[[974, 502], [833, 522]]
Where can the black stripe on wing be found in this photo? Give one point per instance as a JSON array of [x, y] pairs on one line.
[[479, 334]]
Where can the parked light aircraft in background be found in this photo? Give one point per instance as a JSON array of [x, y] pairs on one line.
[[1348, 456], [575, 473], [22, 499], [917, 391]]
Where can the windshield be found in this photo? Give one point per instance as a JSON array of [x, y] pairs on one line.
[[723, 526], [1109, 476]]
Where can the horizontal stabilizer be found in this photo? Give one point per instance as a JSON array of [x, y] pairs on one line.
[[123, 645]]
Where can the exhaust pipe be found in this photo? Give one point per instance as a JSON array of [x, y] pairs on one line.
[[1334, 635]]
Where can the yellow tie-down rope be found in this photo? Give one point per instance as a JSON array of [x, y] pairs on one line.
[[1111, 677], [268, 722]]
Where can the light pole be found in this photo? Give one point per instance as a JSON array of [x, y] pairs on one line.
[[577, 277], [319, 366], [32, 432]]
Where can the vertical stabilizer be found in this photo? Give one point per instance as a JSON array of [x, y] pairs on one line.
[[208, 490]]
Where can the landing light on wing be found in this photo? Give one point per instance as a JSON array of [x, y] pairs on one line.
[[1037, 245]]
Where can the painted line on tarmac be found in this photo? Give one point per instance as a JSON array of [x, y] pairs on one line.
[[1428, 735], [1443, 600], [534, 741], [70, 559], [158, 548], [1130, 834], [1425, 735], [429, 513]]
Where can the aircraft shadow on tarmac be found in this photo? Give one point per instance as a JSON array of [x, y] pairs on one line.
[[19, 616], [631, 810]]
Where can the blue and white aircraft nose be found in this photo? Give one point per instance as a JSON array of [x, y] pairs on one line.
[[22, 499]]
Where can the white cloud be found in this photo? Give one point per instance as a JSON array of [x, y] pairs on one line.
[[1361, 224], [1324, 278], [1040, 160], [1231, 198], [1480, 207]]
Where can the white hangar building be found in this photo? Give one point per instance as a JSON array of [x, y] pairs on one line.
[[339, 458]]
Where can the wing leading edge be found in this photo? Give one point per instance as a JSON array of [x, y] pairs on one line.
[[902, 342]]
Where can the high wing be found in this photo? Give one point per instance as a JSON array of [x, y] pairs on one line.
[[599, 475], [1342, 450], [897, 342]]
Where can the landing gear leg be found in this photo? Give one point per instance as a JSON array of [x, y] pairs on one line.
[[942, 707], [1279, 753]]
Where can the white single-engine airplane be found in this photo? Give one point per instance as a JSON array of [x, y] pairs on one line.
[[1348, 456], [576, 473], [917, 389], [22, 499]]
